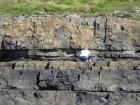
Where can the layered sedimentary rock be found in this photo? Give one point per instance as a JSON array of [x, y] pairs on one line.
[[67, 98], [51, 87], [35, 34], [50, 32], [39, 62]]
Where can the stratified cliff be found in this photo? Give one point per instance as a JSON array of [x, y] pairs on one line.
[[39, 60], [48, 32]]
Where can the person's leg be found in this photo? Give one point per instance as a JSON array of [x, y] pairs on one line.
[[89, 58], [88, 62], [82, 58], [86, 59]]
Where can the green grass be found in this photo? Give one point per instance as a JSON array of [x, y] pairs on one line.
[[83, 7]]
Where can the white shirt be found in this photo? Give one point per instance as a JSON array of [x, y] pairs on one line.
[[85, 53]]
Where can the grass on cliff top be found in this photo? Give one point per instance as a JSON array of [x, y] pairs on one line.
[[83, 7]]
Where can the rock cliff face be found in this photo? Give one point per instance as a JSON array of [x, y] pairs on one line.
[[39, 60], [79, 87], [48, 32]]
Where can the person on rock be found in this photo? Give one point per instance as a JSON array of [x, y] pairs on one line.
[[85, 55]]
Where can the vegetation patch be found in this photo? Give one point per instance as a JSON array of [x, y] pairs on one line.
[[84, 7]]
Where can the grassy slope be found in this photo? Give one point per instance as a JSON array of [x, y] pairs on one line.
[[84, 7]]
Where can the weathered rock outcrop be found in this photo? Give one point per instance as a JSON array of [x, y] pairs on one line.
[[38, 32], [67, 98], [39, 61], [36, 35], [127, 13], [51, 87], [71, 80]]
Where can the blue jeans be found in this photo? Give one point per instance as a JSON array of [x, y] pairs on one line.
[[84, 58]]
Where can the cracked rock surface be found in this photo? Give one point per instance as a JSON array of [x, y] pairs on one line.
[[68, 87]]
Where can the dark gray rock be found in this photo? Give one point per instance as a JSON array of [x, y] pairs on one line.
[[8, 43], [21, 79], [70, 87], [67, 98], [87, 80], [63, 35]]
